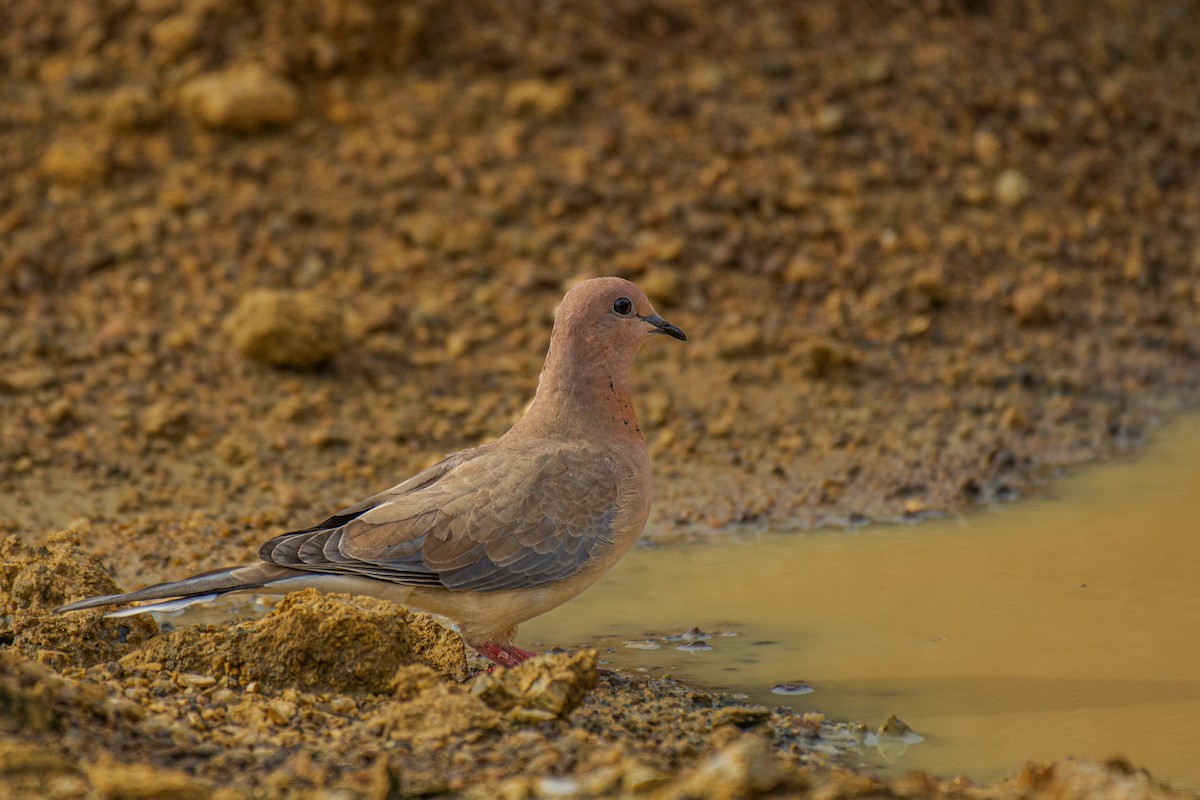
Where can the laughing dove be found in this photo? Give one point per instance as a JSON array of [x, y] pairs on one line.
[[498, 534]]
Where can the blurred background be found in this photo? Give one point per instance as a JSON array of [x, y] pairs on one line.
[[258, 259]]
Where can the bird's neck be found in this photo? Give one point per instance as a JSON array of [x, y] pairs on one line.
[[583, 397]]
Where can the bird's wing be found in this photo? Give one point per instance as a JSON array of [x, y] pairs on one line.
[[422, 480], [507, 518]]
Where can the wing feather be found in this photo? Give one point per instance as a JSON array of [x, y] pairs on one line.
[[488, 519]]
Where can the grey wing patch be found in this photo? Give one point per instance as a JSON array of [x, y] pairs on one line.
[[558, 553], [321, 550], [285, 548], [545, 525], [515, 521]]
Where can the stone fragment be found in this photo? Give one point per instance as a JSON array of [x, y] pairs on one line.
[[875, 71], [743, 340], [130, 108], [26, 379], [165, 420], [1031, 305], [285, 328], [542, 688], [74, 162], [741, 716], [544, 98], [706, 78], [663, 286], [831, 119], [742, 768], [988, 147], [931, 285], [820, 357], [243, 99], [1011, 188], [175, 35]]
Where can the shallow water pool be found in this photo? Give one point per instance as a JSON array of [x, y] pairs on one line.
[[1066, 624]]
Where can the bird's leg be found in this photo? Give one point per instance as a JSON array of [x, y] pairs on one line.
[[504, 656], [520, 654]]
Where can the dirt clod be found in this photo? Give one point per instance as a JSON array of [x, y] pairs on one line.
[[244, 99], [114, 780], [741, 768], [74, 162], [130, 108], [542, 688], [1011, 188], [36, 580], [309, 641], [285, 328]]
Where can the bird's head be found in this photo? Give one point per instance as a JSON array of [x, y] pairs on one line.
[[610, 317]]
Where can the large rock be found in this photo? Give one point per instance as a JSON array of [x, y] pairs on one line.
[[244, 99], [286, 328]]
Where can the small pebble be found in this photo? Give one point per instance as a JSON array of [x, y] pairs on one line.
[[1011, 188], [643, 644], [792, 689], [74, 162]]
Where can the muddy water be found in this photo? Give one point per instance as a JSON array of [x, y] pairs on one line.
[[1068, 624]]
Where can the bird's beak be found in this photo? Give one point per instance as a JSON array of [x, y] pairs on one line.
[[662, 326]]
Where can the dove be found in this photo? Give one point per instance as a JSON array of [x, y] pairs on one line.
[[498, 534]]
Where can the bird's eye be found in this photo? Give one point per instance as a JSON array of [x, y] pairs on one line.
[[623, 306]]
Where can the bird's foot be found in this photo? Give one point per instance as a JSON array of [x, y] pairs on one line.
[[519, 653], [505, 656]]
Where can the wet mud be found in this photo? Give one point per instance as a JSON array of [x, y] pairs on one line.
[[336, 696]]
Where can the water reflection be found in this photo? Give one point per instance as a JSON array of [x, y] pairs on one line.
[[1056, 626]]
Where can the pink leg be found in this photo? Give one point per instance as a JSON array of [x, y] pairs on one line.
[[519, 653], [504, 655]]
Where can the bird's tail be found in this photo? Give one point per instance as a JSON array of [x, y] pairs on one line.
[[201, 588]]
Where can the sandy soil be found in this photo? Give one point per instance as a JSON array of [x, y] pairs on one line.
[[926, 254]]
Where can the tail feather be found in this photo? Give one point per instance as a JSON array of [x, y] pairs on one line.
[[199, 588], [164, 606]]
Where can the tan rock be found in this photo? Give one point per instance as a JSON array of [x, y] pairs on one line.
[[286, 328], [819, 357], [544, 98], [663, 285], [1031, 305], [130, 108], [244, 99], [165, 419], [74, 162], [27, 379], [542, 688], [1011, 188], [831, 119], [741, 768], [175, 35]]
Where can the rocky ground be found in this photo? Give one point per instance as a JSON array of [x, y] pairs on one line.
[[259, 260], [344, 697]]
